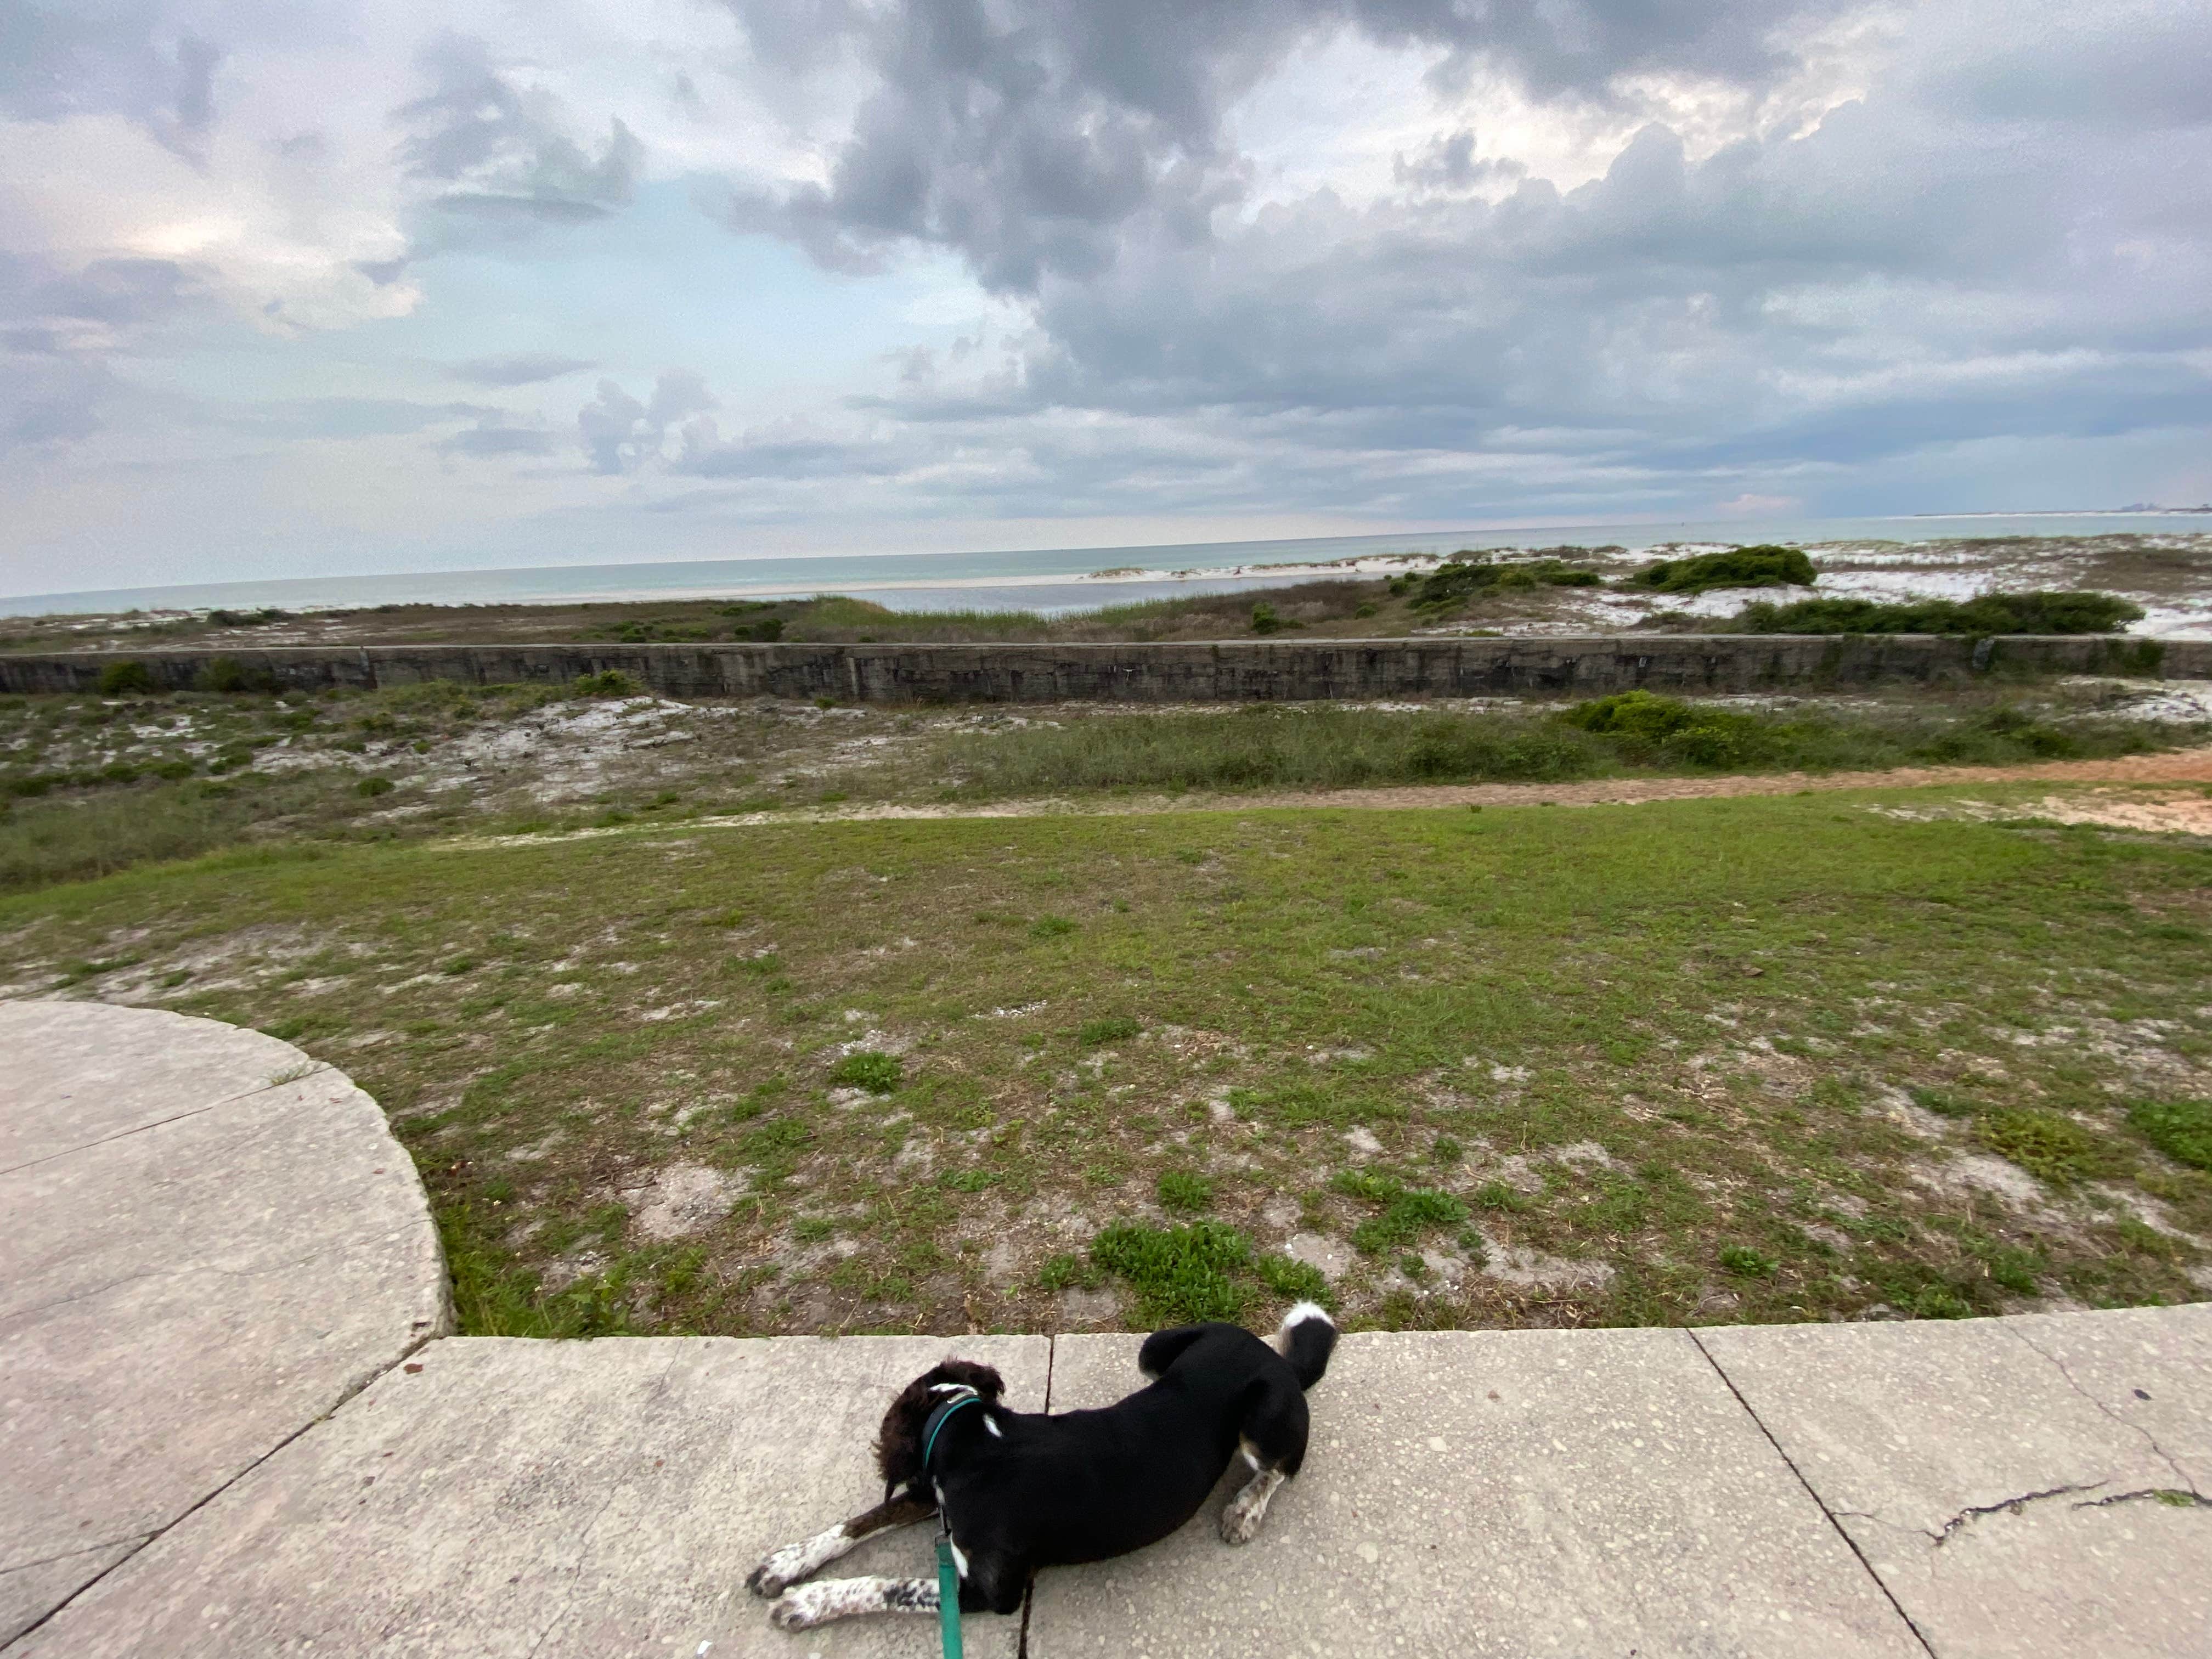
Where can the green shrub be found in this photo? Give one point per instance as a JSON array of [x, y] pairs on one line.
[[1051, 927], [1180, 1274], [2182, 1129], [1765, 566], [373, 787], [2042, 612], [1747, 1263], [2049, 1146], [1266, 619], [1184, 1190], [1636, 714], [1112, 1028], [879, 1074], [1644, 727], [607, 682], [1466, 575], [123, 679], [230, 676]]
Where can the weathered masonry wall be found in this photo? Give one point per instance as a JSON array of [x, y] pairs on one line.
[[1238, 671]]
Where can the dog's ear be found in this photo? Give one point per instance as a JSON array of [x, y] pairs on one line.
[[969, 1374], [898, 1442]]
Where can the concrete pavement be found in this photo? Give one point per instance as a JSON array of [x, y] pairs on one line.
[[202, 1264], [210, 1241]]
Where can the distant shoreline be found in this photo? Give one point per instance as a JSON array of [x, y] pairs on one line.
[[1164, 569]]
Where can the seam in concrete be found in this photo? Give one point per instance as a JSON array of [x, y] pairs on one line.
[[1850, 1543], [2149, 1439], [1029, 1595], [185, 1514], [197, 1111], [134, 1538]]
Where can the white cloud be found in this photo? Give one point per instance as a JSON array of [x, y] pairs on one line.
[[1250, 259]]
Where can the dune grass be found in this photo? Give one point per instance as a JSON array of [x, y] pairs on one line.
[[1325, 747]]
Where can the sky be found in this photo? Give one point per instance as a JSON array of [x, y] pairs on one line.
[[294, 290]]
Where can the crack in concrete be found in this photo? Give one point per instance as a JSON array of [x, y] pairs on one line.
[[2173, 1496], [1974, 1512], [315, 1070], [2149, 1439], [346, 1393], [7, 1318], [134, 1538], [1790, 1463]]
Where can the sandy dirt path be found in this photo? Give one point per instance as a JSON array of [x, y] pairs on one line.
[[2189, 812]]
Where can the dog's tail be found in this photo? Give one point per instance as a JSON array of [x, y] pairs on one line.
[[1307, 1338]]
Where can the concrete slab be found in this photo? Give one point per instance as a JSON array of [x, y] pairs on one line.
[[78, 1074], [2010, 1508], [2150, 1367], [177, 1301], [549, 1498], [1509, 1492]]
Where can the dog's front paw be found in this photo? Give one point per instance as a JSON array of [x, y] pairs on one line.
[[764, 1580], [1240, 1523]]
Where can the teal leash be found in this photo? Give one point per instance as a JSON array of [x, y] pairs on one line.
[[948, 1576], [948, 1595]]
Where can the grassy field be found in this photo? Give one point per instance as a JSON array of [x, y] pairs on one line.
[[90, 785], [1730, 1059]]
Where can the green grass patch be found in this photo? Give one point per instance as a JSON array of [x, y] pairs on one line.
[[1406, 1212], [2182, 1129], [879, 1074], [2047, 1144], [1179, 1275]]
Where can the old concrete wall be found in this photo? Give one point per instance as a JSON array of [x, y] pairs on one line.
[[1238, 671]]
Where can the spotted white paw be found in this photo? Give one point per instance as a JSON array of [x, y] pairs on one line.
[[793, 1612], [1240, 1523]]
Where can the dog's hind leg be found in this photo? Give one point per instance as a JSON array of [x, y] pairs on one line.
[[1240, 1521], [1272, 1439], [808, 1557], [810, 1605]]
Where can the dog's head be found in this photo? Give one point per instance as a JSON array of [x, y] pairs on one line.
[[898, 1442]]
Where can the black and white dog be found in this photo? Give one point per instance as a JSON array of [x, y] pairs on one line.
[[1022, 1490]]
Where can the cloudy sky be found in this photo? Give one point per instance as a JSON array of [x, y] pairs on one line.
[[298, 289]]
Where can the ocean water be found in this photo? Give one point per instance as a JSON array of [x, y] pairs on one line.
[[1051, 581]]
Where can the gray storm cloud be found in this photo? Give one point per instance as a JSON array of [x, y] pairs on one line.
[[1863, 256]]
